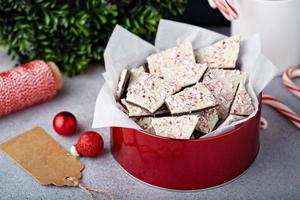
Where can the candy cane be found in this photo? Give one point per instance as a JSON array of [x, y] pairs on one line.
[[288, 74], [282, 108], [263, 123], [225, 8]]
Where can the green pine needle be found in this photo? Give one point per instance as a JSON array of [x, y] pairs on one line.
[[73, 33]]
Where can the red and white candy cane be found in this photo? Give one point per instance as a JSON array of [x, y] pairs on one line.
[[225, 7], [263, 123], [289, 73]]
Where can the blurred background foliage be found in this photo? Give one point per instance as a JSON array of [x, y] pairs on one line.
[[73, 33]]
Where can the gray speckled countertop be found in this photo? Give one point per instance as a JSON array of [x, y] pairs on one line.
[[274, 175]]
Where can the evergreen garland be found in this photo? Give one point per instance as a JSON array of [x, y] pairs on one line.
[[73, 33]]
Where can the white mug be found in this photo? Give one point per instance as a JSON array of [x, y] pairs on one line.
[[278, 22]]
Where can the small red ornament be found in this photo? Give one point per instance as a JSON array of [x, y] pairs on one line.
[[65, 123], [89, 144]]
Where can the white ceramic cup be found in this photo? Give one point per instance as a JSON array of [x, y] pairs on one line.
[[278, 22]]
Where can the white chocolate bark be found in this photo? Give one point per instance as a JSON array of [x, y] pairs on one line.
[[222, 54], [170, 57], [180, 127], [150, 92], [134, 110], [124, 76], [145, 124], [242, 103], [223, 84], [191, 99], [135, 75], [207, 120], [186, 74]]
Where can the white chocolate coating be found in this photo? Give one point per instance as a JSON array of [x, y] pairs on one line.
[[170, 57], [222, 54], [207, 120], [175, 127], [145, 124], [186, 74], [134, 110], [150, 92], [223, 84], [135, 75], [242, 103], [194, 98]]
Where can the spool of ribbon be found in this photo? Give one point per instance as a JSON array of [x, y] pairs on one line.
[[27, 85]]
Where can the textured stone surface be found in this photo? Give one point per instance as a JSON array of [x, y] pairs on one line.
[[274, 174]]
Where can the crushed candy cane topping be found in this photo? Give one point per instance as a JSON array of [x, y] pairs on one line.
[[135, 111], [170, 57], [150, 92], [242, 104], [145, 124], [180, 127], [222, 54], [207, 120], [223, 84], [191, 99]]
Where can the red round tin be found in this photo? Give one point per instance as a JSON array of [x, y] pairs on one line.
[[186, 164]]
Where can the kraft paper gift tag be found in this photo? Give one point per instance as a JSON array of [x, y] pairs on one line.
[[47, 161], [43, 158]]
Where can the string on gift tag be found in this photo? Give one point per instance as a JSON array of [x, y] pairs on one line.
[[288, 75], [225, 7], [89, 190]]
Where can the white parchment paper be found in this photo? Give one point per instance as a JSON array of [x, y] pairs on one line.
[[125, 49]]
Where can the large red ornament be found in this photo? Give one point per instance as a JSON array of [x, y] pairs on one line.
[[89, 144], [65, 123]]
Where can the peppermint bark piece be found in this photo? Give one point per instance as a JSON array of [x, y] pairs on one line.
[[207, 120], [180, 127], [145, 124], [185, 74], [170, 57], [150, 92], [134, 110], [123, 80], [222, 54], [135, 75], [242, 103], [223, 84], [191, 99]]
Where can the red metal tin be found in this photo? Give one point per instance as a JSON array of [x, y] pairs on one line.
[[186, 164]]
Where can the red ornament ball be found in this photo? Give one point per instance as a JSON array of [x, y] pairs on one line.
[[65, 123], [89, 144]]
